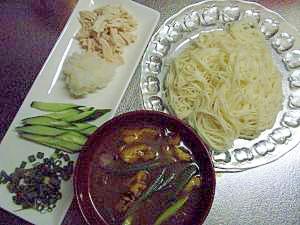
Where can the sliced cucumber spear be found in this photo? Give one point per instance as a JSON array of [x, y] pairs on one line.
[[40, 130], [87, 115], [85, 108], [46, 121], [89, 130], [75, 115], [64, 128], [82, 116], [63, 114], [52, 142], [52, 107], [74, 137], [82, 126]]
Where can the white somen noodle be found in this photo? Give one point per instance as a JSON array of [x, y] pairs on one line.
[[226, 85]]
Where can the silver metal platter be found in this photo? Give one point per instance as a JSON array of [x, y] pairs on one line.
[[284, 41]]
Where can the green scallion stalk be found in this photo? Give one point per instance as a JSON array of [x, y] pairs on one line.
[[170, 211]]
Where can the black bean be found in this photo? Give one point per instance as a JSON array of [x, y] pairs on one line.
[[2, 173], [15, 179], [55, 181], [70, 170], [40, 207], [11, 187], [66, 157], [46, 160], [71, 163], [52, 201], [5, 176], [32, 195], [45, 200], [65, 176], [27, 180], [40, 155], [57, 151], [51, 160], [45, 169], [16, 200], [60, 155], [25, 204], [52, 206], [58, 163], [58, 196], [4, 179], [36, 165], [21, 187], [31, 158], [23, 164]]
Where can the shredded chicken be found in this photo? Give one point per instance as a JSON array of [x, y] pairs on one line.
[[174, 140], [137, 185], [174, 151], [196, 181], [181, 154], [130, 136], [137, 152], [106, 31]]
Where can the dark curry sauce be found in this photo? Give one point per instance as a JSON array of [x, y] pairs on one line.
[[128, 164]]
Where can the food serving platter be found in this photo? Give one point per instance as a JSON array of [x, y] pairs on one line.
[[49, 87], [284, 43]]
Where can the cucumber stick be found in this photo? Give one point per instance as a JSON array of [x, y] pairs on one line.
[[76, 115], [64, 127], [82, 126], [82, 116], [66, 135], [89, 130], [51, 122], [63, 114], [52, 107], [85, 108], [74, 137], [52, 142], [40, 130], [46, 121], [87, 115]]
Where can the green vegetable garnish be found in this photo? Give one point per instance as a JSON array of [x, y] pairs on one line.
[[74, 137], [63, 114], [159, 183], [46, 121], [52, 142], [52, 107], [128, 220], [82, 116], [89, 131], [40, 130], [64, 128], [170, 211], [182, 179]]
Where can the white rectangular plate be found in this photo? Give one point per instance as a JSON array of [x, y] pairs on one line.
[[49, 87]]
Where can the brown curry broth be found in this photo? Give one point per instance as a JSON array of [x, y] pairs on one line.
[[107, 188]]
